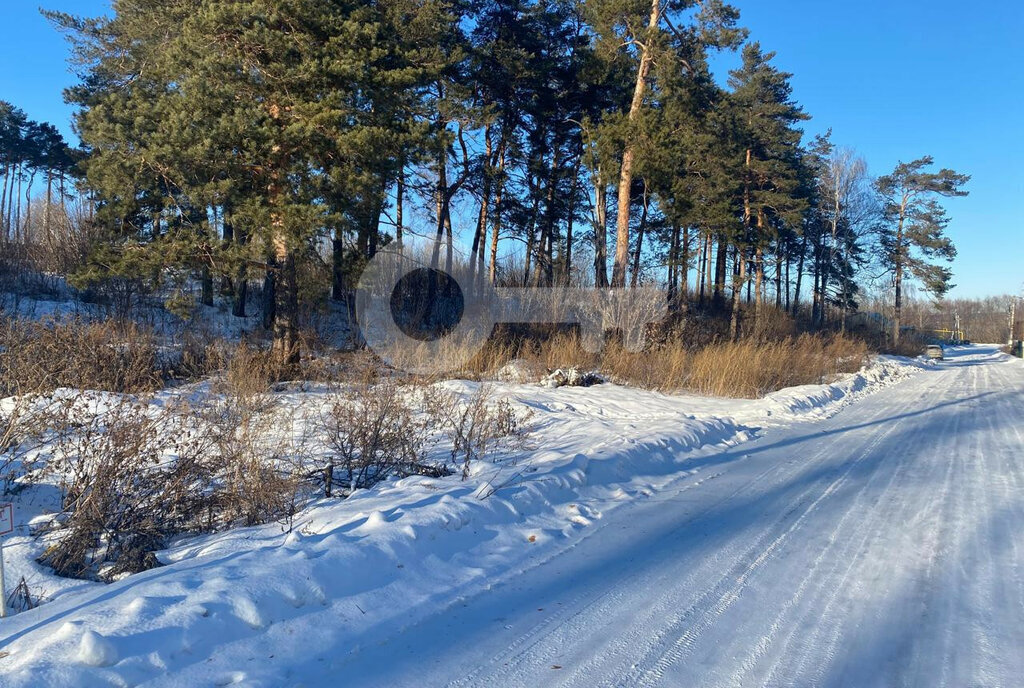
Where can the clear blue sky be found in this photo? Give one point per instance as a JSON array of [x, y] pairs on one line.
[[894, 79]]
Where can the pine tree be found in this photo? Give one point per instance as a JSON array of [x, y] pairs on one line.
[[914, 234], [766, 117], [645, 29], [198, 105]]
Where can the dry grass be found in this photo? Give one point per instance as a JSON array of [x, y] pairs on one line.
[[746, 369], [751, 370], [42, 356], [910, 345]]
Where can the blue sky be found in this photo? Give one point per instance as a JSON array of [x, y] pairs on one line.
[[894, 79]]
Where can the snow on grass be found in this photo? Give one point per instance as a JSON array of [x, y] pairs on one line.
[[243, 605]]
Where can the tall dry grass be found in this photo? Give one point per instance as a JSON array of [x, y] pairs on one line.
[[752, 370], [40, 356], [745, 369]]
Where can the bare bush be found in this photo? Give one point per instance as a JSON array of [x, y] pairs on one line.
[[478, 426], [248, 433], [132, 474], [28, 424], [109, 470], [910, 345], [373, 436], [25, 597]]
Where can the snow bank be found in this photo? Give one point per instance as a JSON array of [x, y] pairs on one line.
[[246, 605]]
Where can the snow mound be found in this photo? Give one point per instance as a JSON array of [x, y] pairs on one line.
[[517, 371], [96, 651]]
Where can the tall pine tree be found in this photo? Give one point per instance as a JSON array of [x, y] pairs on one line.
[[913, 237]]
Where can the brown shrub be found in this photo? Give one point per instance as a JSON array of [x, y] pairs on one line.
[[911, 345], [373, 432], [477, 427], [113, 496]]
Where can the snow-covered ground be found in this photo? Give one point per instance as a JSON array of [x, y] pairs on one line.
[[205, 322], [866, 532]]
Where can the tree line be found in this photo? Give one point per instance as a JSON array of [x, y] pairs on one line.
[[546, 143], [30, 150]]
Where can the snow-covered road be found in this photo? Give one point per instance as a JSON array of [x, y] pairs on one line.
[[881, 547]]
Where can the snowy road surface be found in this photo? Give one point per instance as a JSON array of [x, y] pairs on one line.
[[882, 547]]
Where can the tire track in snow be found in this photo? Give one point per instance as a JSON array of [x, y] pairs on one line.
[[524, 650], [507, 660], [651, 669], [844, 554], [510, 659], [668, 601]]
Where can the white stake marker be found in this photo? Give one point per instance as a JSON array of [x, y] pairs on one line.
[[6, 526]]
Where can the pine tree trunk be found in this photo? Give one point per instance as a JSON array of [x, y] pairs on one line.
[[338, 266], [531, 232], [440, 191], [285, 348], [737, 294], [789, 284], [400, 209], [480, 235], [799, 275], [227, 235], [449, 242], [567, 261], [748, 220], [709, 267], [640, 239], [778, 277], [673, 278], [269, 301], [823, 291], [628, 155], [546, 275], [683, 265], [898, 276], [702, 257], [17, 218], [721, 271], [47, 228], [28, 208], [10, 227], [241, 292], [496, 228], [3, 201], [600, 235], [206, 297], [758, 284]]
